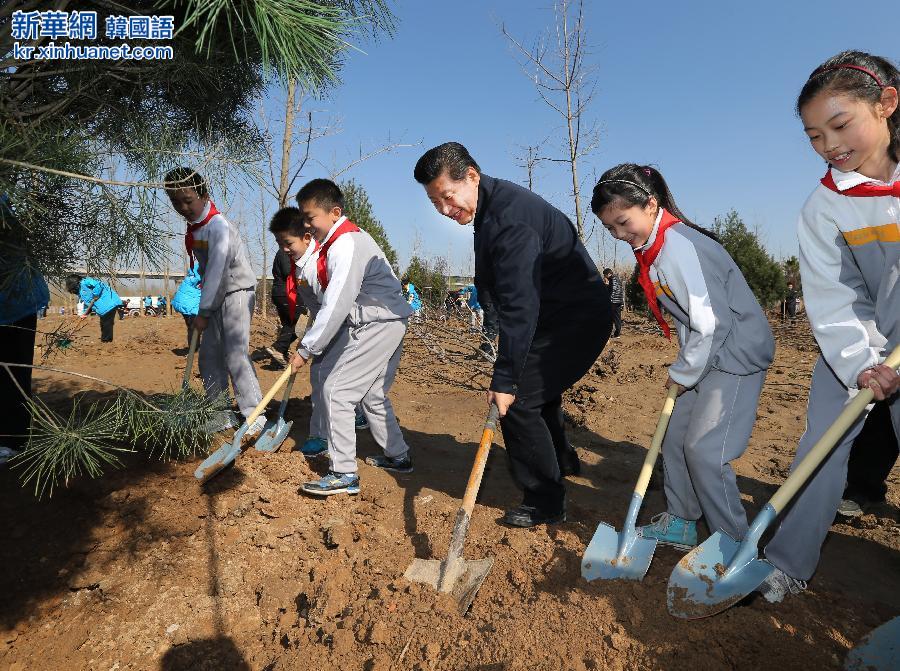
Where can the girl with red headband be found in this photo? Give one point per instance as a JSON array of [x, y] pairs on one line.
[[849, 234], [726, 347]]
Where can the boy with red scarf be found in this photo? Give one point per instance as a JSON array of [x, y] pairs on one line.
[[226, 299], [355, 340], [726, 347]]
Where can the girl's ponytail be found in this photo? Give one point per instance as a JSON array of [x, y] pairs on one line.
[[635, 184]]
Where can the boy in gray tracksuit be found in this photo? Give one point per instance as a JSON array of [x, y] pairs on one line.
[[226, 298], [726, 347], [355, 340]]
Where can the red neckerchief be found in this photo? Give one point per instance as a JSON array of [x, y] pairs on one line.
[[645, 259], [290, 287], [863, 190], [322, 262], [189, 236]]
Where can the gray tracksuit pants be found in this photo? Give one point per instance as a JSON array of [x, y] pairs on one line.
[[318, 426], [796, 546], [225, 352], [710, 427], [360, 365]]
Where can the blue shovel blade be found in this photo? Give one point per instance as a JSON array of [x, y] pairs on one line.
[[704, 582], [273, 435], [879, 651], [612, 555], [220, 459]]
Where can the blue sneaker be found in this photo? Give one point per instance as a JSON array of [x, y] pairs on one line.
[[671, 530], [361, 421], [333, 483], [314, 447]]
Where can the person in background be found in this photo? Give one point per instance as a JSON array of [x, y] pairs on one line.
[[23, 292], [98, 296], [872, 457], [286, 306], [617, 298], [412, 297], [791, 298]]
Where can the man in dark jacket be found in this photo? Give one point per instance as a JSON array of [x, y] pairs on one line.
[[553, 311], [617, 298], [281, 268]]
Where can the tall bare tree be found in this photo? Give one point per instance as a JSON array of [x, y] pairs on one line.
[[557, 67]]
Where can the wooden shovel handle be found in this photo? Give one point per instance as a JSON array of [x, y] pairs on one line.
[[655, 444], [484, 448], [189, 365], [269, 395], [822, 448]]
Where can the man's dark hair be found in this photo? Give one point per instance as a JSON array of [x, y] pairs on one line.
[[451, 157], [73, 283], [288, 220], [607, 272], [323, 192], [185, 178]]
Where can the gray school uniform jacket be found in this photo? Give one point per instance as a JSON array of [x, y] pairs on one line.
[[362, 288], [224, 262], [720, 323], [850, 267]]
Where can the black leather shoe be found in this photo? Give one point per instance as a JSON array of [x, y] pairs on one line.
[[569, 463], [529, 516]]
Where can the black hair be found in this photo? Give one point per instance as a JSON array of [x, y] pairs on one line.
[[323, 192], [185, 178], [288, 220], [634, 185], [73, 283], [607, 271], [829, 76], [451, 157]]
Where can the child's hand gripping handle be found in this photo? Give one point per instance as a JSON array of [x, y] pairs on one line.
[[288, 372], [821, 449], [650, 460]]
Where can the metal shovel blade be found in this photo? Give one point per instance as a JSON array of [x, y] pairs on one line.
[[879, 651], [708, 580], [461, 579], [221, 458], [611, 555], [273, 435]]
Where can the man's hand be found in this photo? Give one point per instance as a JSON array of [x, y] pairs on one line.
[[502, 401], [670, 382], [297, 362], [881, 379], [200, 323], [84, 316]]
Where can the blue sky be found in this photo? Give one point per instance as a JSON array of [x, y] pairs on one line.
[[703, 90]]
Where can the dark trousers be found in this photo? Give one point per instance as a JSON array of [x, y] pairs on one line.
[[617, 319], [286, 334], [872, 457], [107, 322], [18, 347], [533, 428]]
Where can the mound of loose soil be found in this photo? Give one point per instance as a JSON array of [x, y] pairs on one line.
[[143, 569]]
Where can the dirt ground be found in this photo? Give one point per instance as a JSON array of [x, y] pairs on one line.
[[143, 569]]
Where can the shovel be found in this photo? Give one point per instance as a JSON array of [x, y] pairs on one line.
[[189, 364], [720, 572], [455, 575], [627, 555], [226, 454], [276, 430], [879, 651]]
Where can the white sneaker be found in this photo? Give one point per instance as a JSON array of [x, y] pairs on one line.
[[778, 585], [221, 421], [256, 428], [6, 453], [849, 508]]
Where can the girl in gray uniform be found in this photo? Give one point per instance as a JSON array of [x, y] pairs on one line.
[[849, 235], [726, 346]]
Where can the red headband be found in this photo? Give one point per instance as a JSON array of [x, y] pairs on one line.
[[848, 66]]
